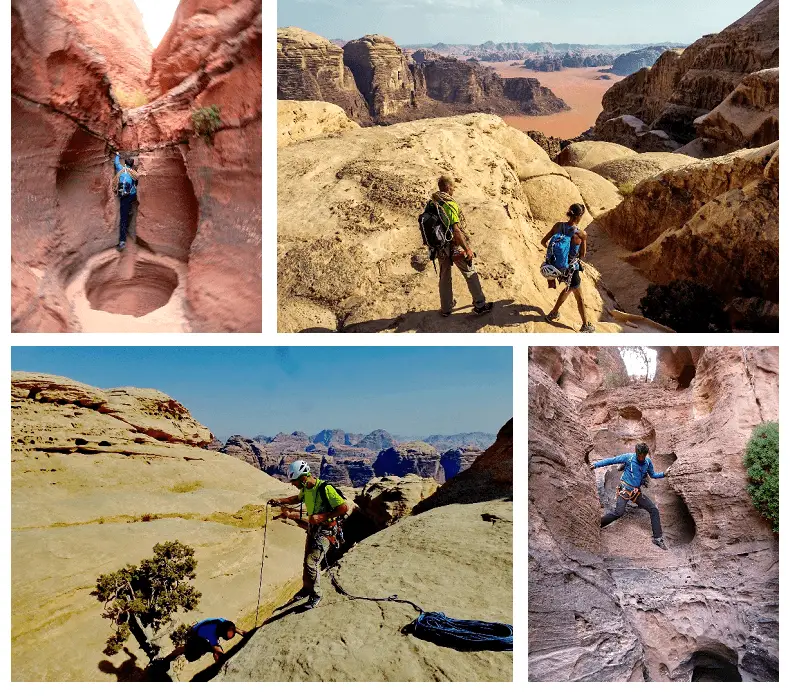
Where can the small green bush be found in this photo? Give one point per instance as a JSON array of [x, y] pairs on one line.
[[206, 121], [762, 466], [179, 635], [626, 188], [685, 306]]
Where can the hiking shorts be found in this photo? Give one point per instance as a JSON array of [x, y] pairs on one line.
[[575, 280], [196, 647]]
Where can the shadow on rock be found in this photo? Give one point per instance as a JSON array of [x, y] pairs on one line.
[[504, 314]]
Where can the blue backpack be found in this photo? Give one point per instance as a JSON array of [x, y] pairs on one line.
[[556, 264]]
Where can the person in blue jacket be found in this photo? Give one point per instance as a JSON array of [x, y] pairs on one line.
[[125, 186], [636, 467]]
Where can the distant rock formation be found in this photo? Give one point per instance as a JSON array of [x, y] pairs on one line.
[[374, 81], [683, 86], [628, 63], [454, 461], [311, 68], [555, 62], [377, 440], [476, 440], [489, 477], [410, 458]]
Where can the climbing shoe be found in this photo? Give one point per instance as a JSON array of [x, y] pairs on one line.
[[447, 314], [587, 328], [487, 307], [121, 246], [553, 316], [659, 541], [312, 603]]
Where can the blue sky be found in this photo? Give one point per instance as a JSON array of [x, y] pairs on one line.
[[262, 390], [476, 21]]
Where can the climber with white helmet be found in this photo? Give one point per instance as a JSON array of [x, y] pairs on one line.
[[324, 505], [636, 468]]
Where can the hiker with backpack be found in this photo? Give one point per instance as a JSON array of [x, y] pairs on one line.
[[203, 638], [566, 246], [441, 225], [324, 505], [637, 468], [125, 187]]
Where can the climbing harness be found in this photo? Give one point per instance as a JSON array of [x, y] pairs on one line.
[[263, 557], [436, 627], [627, 492]]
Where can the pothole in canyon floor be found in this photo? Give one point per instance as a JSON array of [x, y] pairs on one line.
[[714, 667], [130, 291], [149, 287]]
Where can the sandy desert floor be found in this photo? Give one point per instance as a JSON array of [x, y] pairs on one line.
[[579, 87]]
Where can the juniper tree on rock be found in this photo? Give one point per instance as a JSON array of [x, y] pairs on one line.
[[140, 599]]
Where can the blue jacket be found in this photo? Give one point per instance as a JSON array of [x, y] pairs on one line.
[[634, 471], [208, 629], [125, 177]]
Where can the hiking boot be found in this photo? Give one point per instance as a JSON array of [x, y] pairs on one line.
[[487, 307], [552, 316], [659, 541], [312, 603], [587, 328], [121, 246], [447, 314]]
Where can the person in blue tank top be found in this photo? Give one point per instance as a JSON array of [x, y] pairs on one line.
[[636, 467], [576, 252], [125, 187]]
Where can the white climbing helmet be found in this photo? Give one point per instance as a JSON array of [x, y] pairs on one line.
[[297, 469]]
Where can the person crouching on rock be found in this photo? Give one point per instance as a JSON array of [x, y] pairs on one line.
[[458, 253], [203, 638], [125, 186], [324, 505], [637, 466], [567, 246]]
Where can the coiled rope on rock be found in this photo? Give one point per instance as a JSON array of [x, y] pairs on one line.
[[436, 627]]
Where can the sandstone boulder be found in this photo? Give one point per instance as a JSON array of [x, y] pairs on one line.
[[444, 560], [97, 478], [590, 153], [349, 244], [713, 221], [300, 120], [385, 500], [630, 171]]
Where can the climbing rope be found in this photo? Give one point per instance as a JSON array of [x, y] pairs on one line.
[[263, 557], [436, 627]]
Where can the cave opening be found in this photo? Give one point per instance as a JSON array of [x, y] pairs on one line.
[[148, 287], [710, 666], [687, 374]]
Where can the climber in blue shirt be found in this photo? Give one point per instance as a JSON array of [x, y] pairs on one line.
[[636, 467], [125, 186]]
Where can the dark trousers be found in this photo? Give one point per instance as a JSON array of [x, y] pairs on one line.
[[468, 271], [643, 502], [126, 214]]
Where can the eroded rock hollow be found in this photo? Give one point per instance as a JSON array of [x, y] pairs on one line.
[[605, 604], [85, 83]]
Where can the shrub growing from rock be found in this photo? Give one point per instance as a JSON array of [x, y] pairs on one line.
[[762, 465], [206, 121], [140, 600]]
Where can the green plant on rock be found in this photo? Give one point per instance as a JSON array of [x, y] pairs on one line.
[[140, 600], [179, 635], [762, 465], [206, 121]]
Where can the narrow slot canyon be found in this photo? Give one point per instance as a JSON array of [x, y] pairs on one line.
[[79, 107], [706, 607]]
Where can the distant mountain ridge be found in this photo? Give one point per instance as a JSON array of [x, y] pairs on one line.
[[351, 459]]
